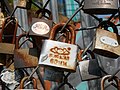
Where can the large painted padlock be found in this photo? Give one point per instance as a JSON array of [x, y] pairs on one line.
[[101, 6], [59, 54], [25, 80], [25, 4], [107, 43], [89, 68], [22, 57]]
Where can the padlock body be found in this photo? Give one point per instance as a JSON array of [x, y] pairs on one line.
[[22, 59], [7, 48], [100, 6], [58, 54], [89, 70], [107, 43], [40, 27]]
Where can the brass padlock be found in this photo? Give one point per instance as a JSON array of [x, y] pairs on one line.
[[101, 6], [59, 54], [107, 43], [89, 67], [22, 57], [106, 78], [24, 4], [25, 80]]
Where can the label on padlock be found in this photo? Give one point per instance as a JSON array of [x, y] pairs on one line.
[[40, 28], [109, 41], [58, 54]]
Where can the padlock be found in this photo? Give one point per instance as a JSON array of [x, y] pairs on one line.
[[101, 6], [24, 4], [7, 38], [89, 68], [25, 80], [41, 25], [107, 43], [59, 54], [106, 78], [22, 55]]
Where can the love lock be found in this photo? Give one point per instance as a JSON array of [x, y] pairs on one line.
[[59, 54], [25, 80], [7, 38], [107, 43], [22, 56], [89, 68], [100, 6], [41, 26], [116, 83]]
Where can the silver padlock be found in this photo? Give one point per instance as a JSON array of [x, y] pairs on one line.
[[59, 54], [89, 68], [40, 27]]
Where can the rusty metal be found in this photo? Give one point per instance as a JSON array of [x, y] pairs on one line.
[[115, 78], [22, 55], [107, 43], [9, 30], [25, 80]]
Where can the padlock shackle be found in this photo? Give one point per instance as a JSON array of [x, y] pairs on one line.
[[25, 79], [106, 24], [44, 12], [7, 21], [106, 77], [60, 25], [80, 53], [18, 39]]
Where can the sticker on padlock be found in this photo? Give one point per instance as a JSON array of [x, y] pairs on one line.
[[59, 54], [107, 43], [40, 27]]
